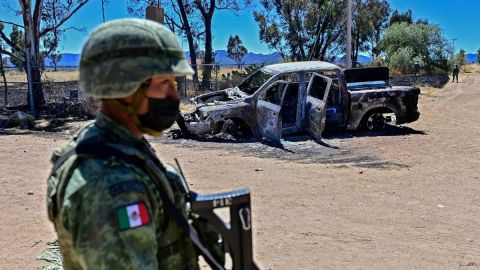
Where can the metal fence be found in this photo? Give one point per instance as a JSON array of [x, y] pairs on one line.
[[61, 85]]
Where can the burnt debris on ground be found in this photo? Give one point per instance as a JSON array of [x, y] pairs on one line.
[[53, 117], [298, 148], [436, 81]]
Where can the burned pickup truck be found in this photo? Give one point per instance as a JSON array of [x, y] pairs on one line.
[[282, 99]]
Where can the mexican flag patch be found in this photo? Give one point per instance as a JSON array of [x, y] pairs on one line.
[[132, 216]]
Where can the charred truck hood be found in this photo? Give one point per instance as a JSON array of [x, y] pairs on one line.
[[226, 95], [214, 108]]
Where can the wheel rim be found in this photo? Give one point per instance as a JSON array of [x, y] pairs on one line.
[[376, 121]]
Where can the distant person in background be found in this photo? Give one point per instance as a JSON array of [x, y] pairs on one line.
[[417, 68], [456, 70]]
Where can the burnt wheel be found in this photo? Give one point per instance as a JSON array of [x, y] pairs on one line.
[[236, 128], [232, 128], [181, 124], [376, 122]]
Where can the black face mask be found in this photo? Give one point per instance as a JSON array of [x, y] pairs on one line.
[[162, 113]]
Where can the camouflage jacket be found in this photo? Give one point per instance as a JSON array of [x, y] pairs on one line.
[[108, 213]]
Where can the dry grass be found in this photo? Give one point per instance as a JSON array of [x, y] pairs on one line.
[[73, 75], [59, 76], [56, 76], [428, 91], [186, 107], [221, 71], [469, 68]]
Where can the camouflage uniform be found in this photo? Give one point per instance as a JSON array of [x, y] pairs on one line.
[[90, 198], [85, 195]]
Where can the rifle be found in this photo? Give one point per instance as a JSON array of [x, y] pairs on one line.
[[237, 233]]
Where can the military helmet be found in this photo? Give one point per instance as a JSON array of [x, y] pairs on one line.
[[119, 55]]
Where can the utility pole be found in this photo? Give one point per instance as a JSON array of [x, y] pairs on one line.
[[103, 10], [453, 45], [155, 13], [348, 54]]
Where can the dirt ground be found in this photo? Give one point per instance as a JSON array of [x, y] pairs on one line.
[[403, 199]]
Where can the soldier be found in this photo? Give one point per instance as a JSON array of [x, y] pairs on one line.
[[456, 70], [417, 68], [107, 207]]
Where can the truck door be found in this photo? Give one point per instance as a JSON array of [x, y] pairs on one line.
[[269, 119], [315, 113]]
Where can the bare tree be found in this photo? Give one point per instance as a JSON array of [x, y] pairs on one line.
[[207, 9], [180, 17], [192, 19], [236, 50], [32, 12], [2, 70]]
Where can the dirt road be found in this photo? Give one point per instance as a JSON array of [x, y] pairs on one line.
[[404, 199]]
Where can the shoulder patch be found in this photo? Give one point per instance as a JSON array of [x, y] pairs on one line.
[[127, 186], [132, 216]]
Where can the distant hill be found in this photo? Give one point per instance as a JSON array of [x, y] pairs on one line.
[[68, 60], [362, 59], [221, 58], [471, 58]]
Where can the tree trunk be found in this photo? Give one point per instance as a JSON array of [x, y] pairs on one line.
[[356, 48], [191, 43], [2, 70], [193, 58], [54, 61], [35, 62], [38, 98], [32, 27], [323, 52], [209, 59]]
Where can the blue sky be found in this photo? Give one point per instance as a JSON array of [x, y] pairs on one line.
[[458, 19]]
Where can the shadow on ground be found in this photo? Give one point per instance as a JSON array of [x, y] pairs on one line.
[[388, 131]]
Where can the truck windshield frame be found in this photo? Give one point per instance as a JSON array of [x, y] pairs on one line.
[[255, 81]]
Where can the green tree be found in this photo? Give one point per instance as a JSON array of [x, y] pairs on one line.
[[417, 42], [301, 29], [402, 60], [236, 50], [51, 14], [398, 17], [478, 56], [17, 55], [461, 57], [207, 8]]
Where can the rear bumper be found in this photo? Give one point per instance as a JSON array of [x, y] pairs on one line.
[[410, 116]]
